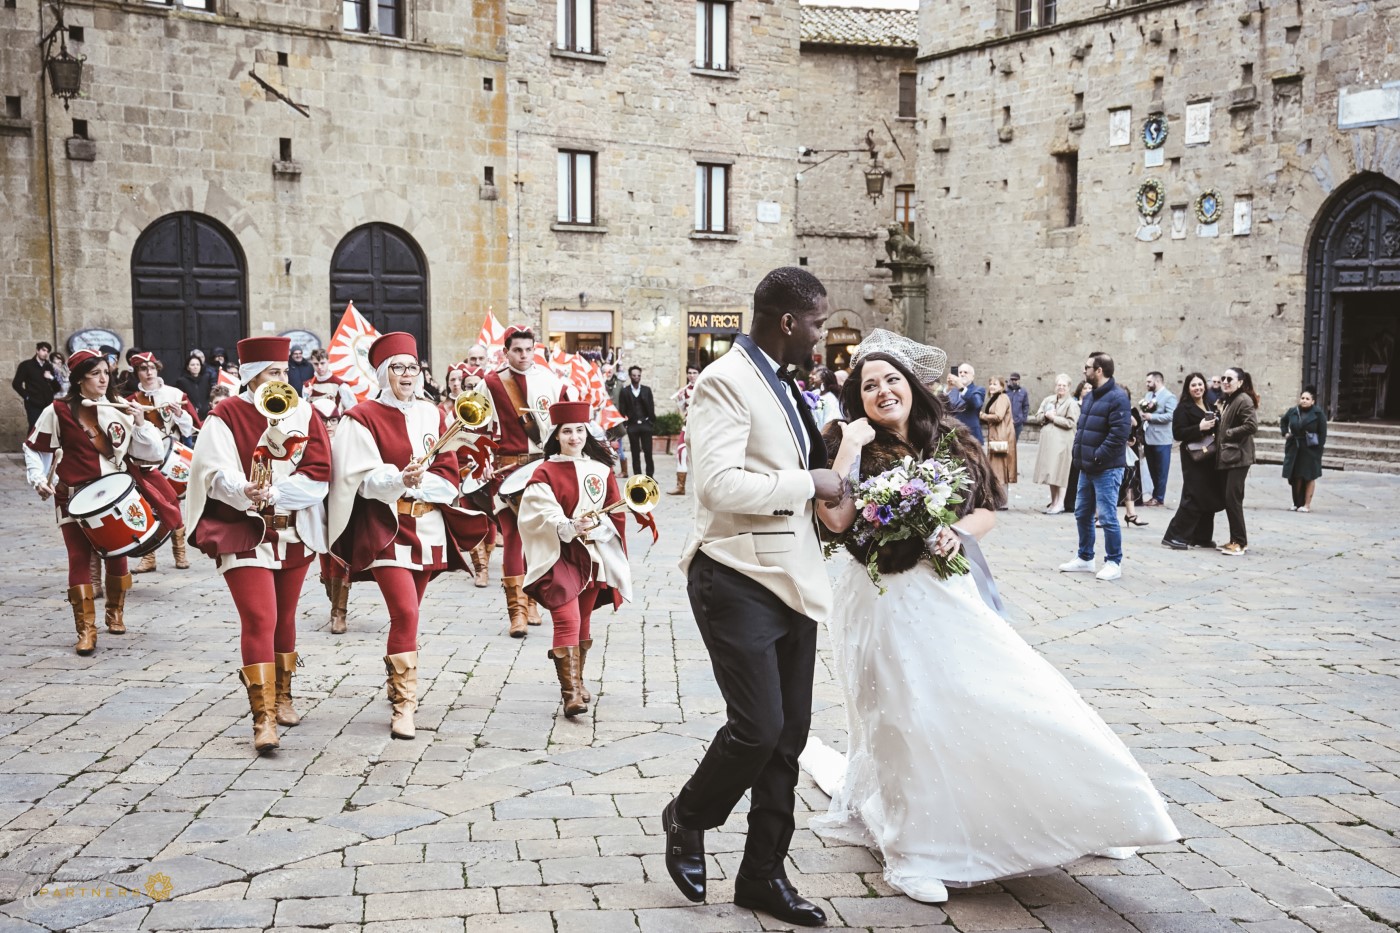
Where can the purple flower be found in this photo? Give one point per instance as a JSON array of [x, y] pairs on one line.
[[885, 514]]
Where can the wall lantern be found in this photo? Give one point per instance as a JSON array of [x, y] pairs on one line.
[[65, 69], [874, 175]]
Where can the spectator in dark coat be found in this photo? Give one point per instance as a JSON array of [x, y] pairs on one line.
[[36, 381], [196, 382], [966, 398], [1304, 430], [1193, 525], [1234, 438], [1020, 402], [1100, 440], [636, 404], [300, 370]]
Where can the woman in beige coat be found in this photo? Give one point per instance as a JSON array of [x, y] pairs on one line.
[[1057, 416], [1000, 431]]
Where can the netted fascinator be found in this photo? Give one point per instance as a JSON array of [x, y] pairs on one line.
[[926, 363]]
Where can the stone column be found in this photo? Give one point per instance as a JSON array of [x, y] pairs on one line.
[[909, 289]]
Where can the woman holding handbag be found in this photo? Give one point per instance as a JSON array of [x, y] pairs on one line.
[[1304, 430], [1193, 425], [1000, 431], [1234, 436]]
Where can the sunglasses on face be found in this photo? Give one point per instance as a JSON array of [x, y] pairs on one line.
[[1227, 378]]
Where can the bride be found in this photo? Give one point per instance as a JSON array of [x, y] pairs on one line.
[[970, 757]]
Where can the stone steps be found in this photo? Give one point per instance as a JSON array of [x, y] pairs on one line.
[[1367, 446]]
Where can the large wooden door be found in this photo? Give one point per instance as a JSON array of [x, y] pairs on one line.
[[382, 270], [189, 288]]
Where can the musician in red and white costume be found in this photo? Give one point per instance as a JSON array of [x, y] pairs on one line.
[[327, 392], [262, 528], [576, 557], [521, 393], [174, 417], [477, 475], [392, 517], [75, 442]]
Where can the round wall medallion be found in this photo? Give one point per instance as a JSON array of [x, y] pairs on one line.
[[94, 338], [1151, 195], [1154, 131], [1208, 206], [304, 339]]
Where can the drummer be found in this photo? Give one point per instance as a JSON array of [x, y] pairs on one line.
[[76, 441], [176, 419], [521, 393], [262, 526], [576, 556], [392, 518]]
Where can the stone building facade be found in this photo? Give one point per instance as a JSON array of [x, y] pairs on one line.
[[1056, 229], [188, 202]]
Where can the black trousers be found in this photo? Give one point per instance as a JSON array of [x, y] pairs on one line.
[[763, 654], [1201, 497], [640, 442], [1234, 503]]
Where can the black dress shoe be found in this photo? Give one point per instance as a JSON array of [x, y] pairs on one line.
[[1175, 544], [777, 898], [685, 855]]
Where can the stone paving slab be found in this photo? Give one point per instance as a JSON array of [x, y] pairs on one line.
[[1261, 694]]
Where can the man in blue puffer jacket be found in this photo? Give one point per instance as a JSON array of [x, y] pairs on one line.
[[1100, 440]]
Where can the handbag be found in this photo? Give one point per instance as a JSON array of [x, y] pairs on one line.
[[1202, 450], [999, 447], [1311, 439]]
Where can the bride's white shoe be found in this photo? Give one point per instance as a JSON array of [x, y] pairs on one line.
[[1120, 852], [925, 890]]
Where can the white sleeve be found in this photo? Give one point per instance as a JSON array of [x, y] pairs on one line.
[[539, 510], [228, 488], [147, 443], [605, 531], [36, 465], [383, 484], [435, 489], [183, 422], [298, 492]]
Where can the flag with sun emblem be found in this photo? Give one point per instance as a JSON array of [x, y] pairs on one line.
[[348, 353]]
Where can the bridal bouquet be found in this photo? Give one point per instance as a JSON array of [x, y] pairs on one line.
[[911, 500]]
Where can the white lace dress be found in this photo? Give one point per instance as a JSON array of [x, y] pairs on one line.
[[970, 757]]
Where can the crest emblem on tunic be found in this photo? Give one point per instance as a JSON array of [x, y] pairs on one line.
[[428, 441], [542, 403], [116, 432], [593, 485]]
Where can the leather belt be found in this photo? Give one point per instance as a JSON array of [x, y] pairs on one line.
[[512, 460], [277, 522], [414, 507]]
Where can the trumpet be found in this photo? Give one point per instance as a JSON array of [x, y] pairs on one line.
[[640, 494], [473, 409], [275, 401]]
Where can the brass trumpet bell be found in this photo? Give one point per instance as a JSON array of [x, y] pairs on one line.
[[641, 494], [473, 408], [275, 400]]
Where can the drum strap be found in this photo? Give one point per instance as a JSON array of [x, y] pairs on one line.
[[527, 418]]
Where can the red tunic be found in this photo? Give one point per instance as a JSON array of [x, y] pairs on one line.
[[571, 574], [221, 528], [375, 527]]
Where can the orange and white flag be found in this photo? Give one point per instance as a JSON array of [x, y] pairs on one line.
[[348, 353], [229, 380], [493, 333]]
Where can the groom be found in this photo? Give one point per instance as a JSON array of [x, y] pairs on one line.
[[757, 589]]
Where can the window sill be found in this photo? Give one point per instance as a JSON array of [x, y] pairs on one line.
[[725, 75], [578, 56], [914, 119], [704, 235], [558, 227], [15, 126]]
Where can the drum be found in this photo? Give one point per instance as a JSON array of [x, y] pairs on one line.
[[471, 482], [176, 465], [116, 518], [513, 486]]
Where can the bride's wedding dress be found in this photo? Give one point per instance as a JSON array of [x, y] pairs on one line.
[[970, 757]]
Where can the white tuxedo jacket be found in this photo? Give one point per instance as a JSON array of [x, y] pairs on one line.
[[753, 496]]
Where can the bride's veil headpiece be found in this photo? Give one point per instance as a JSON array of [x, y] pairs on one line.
[[926, 363]]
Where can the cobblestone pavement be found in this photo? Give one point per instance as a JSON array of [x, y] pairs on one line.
[[1259, 692]]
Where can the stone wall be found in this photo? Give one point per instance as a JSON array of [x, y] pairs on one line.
[[1017, 288], [401, 132]]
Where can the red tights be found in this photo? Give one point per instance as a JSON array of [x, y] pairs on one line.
[[267, 606], [80, 557], [512, 552], [571, 619], [332, 569], [403, 591]]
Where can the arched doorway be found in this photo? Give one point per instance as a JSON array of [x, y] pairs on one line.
[[1353, 316], [189, 288], [382, 270]]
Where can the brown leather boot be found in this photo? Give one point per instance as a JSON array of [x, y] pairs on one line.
[[403, 685], [340, 598], [177, 547], [566, 666], [481, 563], [583, 647], [680, 485], [116, 603], [532, 612], [95, 566], [84, 617], [515, 605], [261, 681], [286, 667], [148, 563]]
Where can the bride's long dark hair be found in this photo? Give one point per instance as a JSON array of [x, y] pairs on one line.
[[929, 425]]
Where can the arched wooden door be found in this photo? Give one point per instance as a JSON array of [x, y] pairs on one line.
[[189, 288], [382, 270], [1353, 315]]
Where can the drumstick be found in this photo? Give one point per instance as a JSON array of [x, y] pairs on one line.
[[53, 467], [128, 405]]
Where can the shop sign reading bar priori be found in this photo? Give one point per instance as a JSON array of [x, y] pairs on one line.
[[714, 322]]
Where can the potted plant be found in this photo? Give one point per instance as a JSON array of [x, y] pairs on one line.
[[667, 427]]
